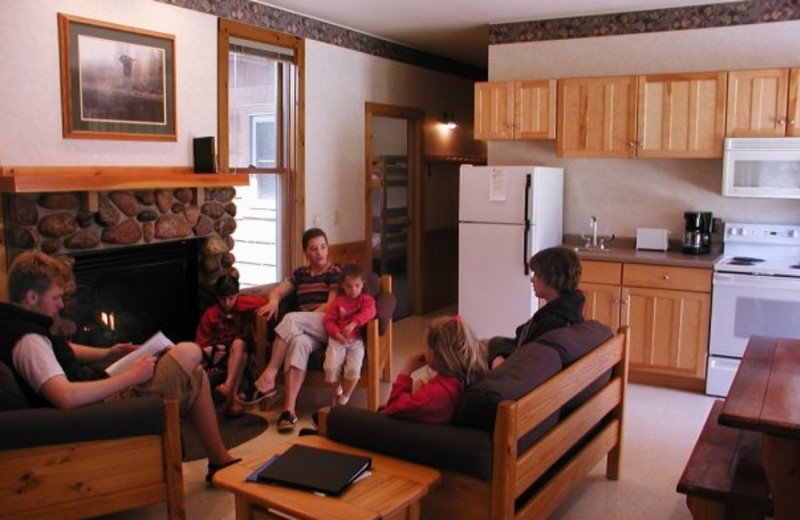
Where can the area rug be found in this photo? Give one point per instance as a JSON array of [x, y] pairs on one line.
[[234, 432]]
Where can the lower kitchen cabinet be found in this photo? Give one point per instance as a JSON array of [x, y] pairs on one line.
[[668, 311], [600, 283]]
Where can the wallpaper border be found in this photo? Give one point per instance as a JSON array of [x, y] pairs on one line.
[[268, 17], [640, 22]]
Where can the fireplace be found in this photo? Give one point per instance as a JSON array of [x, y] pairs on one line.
[[129, 293]]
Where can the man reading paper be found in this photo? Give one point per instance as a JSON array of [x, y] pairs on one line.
[[55, 372]]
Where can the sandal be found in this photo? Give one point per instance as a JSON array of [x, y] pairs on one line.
[[286, 421], [213, 468], [257, 396]]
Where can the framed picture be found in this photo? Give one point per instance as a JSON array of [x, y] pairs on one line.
[[117, 82]]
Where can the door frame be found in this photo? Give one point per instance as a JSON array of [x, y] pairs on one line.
[[415, 119]]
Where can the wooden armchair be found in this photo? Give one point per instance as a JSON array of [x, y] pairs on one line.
[[90, 461], [378, 343]]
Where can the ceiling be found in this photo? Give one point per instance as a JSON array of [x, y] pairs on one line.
[[456, 29]]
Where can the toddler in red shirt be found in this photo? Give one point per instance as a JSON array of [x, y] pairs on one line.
[[344, 322]]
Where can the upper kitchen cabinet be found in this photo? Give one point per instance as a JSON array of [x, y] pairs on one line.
[[681, 115], [763, 103], [596, 117], [515, 109]]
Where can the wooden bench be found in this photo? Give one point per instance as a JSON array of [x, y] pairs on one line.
[[723, 478]]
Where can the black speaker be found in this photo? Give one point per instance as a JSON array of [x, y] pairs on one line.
[[205, 155]]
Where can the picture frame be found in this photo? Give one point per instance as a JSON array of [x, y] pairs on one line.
[[117, 82]]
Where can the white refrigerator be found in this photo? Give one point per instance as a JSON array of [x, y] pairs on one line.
[[506, 214]]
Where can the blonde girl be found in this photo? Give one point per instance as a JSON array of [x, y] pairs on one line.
[[455, 359]]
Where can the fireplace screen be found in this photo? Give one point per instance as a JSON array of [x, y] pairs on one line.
[[128, 294]]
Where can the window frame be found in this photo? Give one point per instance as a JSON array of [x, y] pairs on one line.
[[293, 181]]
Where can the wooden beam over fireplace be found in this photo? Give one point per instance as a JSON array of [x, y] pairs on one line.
[[35, 179]]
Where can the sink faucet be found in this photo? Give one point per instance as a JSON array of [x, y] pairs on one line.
[[594, 241], [593, 223]]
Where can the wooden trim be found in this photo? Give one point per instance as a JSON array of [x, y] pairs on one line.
[[173, 463], [35, 179], [415, 118], [293, 185]]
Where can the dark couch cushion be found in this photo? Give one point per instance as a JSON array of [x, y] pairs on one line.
[[11, 396], [572, 343], [461, 450], [111, 420], [526, 368], [576, 340]]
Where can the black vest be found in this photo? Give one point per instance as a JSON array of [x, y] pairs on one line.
[[15, 322]]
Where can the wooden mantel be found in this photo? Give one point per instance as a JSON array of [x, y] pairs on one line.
[[35, 179]]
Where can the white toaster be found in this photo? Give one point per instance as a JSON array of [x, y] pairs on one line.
[[654, 239]]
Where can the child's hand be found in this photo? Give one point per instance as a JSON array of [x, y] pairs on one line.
[[341, 338], [413, 362], [348, 329]]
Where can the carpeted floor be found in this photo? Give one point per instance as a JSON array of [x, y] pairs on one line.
[[235, 431]]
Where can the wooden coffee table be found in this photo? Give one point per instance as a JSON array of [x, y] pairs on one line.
[[394, 487]]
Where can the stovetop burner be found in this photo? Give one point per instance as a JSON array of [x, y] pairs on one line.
[[745, 260]]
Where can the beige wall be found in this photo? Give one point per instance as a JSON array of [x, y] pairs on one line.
[[338, 84], [30, 88], [626, 194]]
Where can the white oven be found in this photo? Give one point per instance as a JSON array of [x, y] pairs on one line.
[[742, 306], [756, 291]]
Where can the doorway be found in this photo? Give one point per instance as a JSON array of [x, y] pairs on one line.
[[393, 152]]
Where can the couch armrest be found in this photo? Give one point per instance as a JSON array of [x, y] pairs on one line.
[[31, 427], [452, 448]]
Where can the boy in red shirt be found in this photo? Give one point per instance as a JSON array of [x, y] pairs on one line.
[[224, 333], [344, 321]]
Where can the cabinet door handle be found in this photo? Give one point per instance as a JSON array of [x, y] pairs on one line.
[[665, 277]]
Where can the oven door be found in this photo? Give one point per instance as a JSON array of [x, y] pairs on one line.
[[745, 305]]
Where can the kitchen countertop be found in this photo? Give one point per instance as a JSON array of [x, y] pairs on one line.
[[624, 250]]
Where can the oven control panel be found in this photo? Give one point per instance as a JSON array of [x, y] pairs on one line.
[[778, 234]]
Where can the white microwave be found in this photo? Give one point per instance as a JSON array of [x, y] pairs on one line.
[[761, 167]]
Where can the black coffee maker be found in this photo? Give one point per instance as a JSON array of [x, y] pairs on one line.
[[697, 232]]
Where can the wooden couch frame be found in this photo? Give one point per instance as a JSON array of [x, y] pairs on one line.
[[378, 357], [566, 453], [92, 478]]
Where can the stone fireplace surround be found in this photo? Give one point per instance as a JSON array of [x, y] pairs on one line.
[[63, 224]]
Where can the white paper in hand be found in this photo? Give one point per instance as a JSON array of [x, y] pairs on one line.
[[151, 347]]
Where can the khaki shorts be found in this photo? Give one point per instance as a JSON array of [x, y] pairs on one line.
[[169, 381]]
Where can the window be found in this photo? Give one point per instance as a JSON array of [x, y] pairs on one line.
[[263, 143], [256, 125]]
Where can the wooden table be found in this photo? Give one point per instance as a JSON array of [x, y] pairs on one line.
[[765, 397], [395, 487]]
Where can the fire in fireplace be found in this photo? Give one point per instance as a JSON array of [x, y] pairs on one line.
[[130, 293]]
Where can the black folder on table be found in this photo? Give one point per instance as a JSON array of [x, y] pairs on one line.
[[315, 469]]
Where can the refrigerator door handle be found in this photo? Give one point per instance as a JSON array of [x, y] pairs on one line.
[[527, 227]]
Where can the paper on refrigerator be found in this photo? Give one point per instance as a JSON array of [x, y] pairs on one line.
[[151, 347]]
